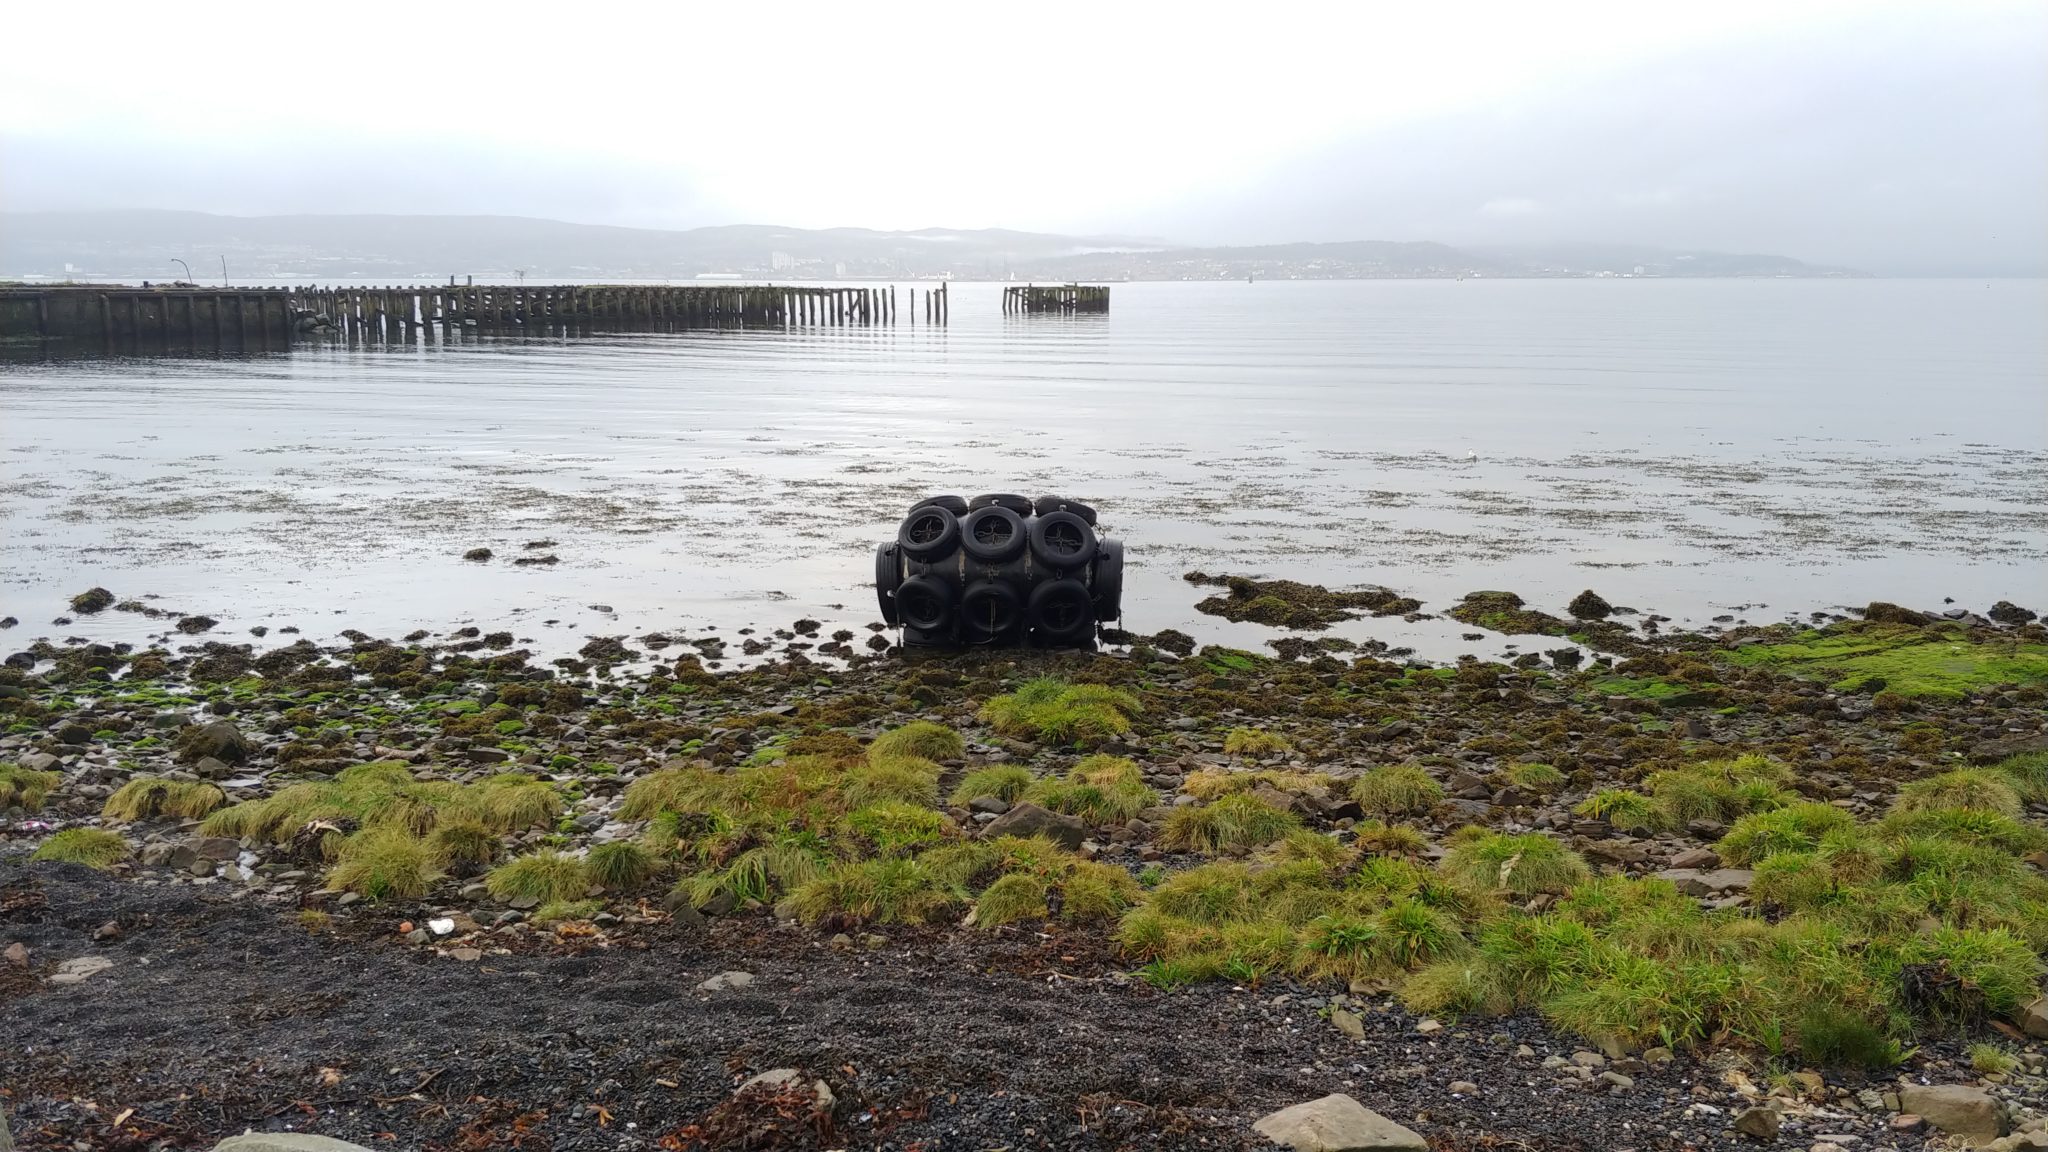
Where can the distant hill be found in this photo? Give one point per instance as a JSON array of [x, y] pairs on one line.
[[146, 244]]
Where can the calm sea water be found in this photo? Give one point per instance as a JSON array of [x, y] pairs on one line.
[[1698, 448]]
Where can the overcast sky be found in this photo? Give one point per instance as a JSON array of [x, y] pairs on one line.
[[1895, 137]]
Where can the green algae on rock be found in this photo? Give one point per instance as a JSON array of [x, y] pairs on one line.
[[1291, 604], [1508, 613], [1944, 661]]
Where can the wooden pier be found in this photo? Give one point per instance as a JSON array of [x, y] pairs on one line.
[[85, 321], [69, 320], [1062, 299]]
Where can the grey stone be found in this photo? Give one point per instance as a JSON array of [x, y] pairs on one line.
[[1757, 1123], [1348, 1023], [1958, 1109], [734, 979], [209, 768], [1697, 858], [1337, 1123], [2033, 1019], [990, 804], [219, 739], [80, 969], [215, 847], [1027, 819], [285, 1142], [1708, 882], [786, 1077]]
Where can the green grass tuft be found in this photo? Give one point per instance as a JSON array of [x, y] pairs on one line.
[[896, 891], [1627, 810], [1542, 779], [1522, 866], [1397, 790], [918, 740], [905, 780], [621, 865], [1991, 1060], [20, 787], [385, 864], [1833, 1037], [2028, 775], [1051, 710], [144, 797], [1018, 896], [92, 847], [896, 828], [1005, 782], [545, 876], [1254, 742], [1237, 821], [564, 911], [1100, 789], [761, 873], [1977, 789], [464, 842], [385, 795], [1793, 828]]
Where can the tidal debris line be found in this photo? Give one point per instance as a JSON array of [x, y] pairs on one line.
[[185, 319], [1064, 299]]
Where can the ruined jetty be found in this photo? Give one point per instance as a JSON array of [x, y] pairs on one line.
[[174, 319], [1061, 299]]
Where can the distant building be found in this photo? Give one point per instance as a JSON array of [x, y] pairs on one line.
[[781, 261], [839, 269]]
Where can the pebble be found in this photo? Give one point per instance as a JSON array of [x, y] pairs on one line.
[[734, 979], [80, 969]]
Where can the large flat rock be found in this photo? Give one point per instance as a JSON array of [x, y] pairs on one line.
[[1961, 1110], [1337, 1123], [285, 1142], [1708, 881]]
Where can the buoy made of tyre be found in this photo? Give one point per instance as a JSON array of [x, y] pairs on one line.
[[1061, 541], [888, 574], [1045, 504], [924, 603], [1021, 505], [990, 608], [992, 534], [1060, 611], [928, 533], [954, 504], [1108, 587]]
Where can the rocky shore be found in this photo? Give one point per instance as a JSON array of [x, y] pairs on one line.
[[434, 893]]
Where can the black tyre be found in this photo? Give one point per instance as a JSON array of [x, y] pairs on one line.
[[1060, 611], [888, 574], [1045, 504], [1062, 541], [992, 534], [925, 603], [1107, 591], [1021, 505], [990, 608], [928, 533], [953, 504]]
